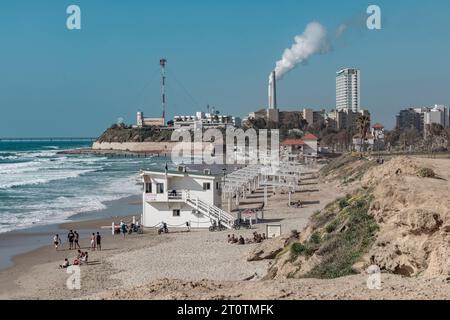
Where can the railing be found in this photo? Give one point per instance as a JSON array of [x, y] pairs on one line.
[[217, 214], [175, 195]]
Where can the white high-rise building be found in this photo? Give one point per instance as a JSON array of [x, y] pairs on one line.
[[348, 90]]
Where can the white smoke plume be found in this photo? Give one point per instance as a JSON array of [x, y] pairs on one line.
[[314, 40]]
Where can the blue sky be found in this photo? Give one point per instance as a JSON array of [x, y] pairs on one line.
[[56, 82]]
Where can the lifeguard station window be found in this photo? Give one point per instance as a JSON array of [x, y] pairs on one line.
[[148, 188], [206, 186], [160, 188]]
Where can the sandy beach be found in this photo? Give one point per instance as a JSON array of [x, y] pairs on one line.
[[126, 263], [201, 264]]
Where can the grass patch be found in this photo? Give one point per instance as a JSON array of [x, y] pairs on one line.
[[426, 173], [340, 251], [306, 249], [331, 227], [343, 234]]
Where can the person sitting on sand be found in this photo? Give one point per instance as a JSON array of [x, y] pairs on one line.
[[84, 259], [80, 254], [264, 236], [56, 241], [229, 238], [233, 239], [241, 240], [65, 265]]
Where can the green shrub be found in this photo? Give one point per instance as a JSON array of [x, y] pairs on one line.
[[426, 173], [331, 227], [340, 251], [343, 203], [315, 238]]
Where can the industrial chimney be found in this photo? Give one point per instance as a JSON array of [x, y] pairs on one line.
[[272, 111], [272, 90]]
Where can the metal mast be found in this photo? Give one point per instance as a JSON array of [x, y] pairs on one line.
[[163, 62]]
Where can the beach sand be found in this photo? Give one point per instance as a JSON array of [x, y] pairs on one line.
[[139, 259]]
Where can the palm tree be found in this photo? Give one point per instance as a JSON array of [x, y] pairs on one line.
[[362, 125]]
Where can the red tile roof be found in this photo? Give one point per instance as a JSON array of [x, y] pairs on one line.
[[378, 126], [309, 136], [293, 142]]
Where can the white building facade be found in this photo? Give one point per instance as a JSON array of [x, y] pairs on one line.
[[205, 120], [179, 197], [348, 90], [439, 114]]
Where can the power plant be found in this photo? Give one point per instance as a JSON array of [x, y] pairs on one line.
[[272, 90], [272, 111]]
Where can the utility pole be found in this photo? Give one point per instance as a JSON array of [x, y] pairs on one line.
[[162, 63]]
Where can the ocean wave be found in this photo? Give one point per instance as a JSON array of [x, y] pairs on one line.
[[9, 157], [27, 180], [59, 209]]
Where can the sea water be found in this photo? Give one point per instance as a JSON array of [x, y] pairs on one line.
[[38, 186]]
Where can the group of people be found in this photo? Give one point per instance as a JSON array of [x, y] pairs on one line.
[[257, 238], [73, 238], [124, 228], [81, 258]]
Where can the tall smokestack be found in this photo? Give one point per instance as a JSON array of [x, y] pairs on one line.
[[273, 90]]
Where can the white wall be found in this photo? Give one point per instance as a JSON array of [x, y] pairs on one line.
[[155, 213]]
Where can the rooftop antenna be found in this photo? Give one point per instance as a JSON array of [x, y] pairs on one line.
[[162, 63]]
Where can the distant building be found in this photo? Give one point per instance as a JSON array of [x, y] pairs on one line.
[[206, 120], [439, 114], [314, 117], [419, 118], [410, 119], [344, 119], [141, 121], [360, 144], [307, 146], [348, 90], [377, 132]]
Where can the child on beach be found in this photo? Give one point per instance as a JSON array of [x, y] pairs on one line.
[[65, 265], [56, 241], [93, 241]]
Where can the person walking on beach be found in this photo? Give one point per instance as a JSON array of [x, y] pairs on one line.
[[77, 239], [98, 239], [70, 237], [93, 242], [124, 229], [56, 241]]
